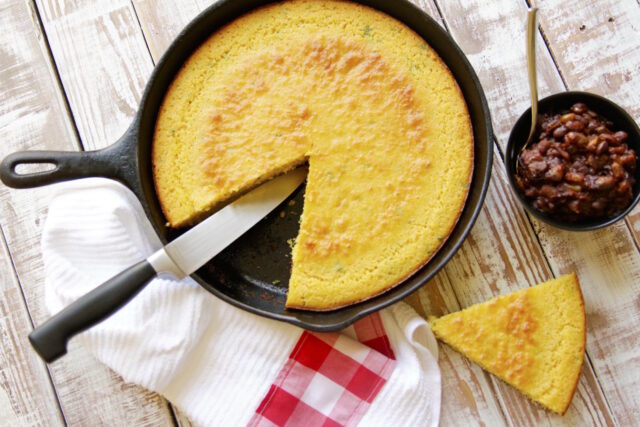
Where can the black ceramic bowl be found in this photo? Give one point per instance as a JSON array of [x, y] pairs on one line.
[[556, 104]]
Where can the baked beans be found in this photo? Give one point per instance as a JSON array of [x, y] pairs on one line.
[[579, 168]]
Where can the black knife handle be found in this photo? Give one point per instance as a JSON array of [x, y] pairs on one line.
[[50, 338]]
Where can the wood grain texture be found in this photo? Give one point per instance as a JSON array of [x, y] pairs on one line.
[[162, 20], [33, 115], [501, 67], [491, 34], [26, 393], [608, 266], [103, 63]]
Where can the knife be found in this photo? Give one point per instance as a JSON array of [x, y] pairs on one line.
[[180, 258]]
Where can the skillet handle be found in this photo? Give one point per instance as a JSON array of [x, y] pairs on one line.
[[67, 165], [50, 339]]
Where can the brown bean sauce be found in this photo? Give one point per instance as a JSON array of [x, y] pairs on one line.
[[579, 168]]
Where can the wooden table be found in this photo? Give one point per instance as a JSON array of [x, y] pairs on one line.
[[72, 73]]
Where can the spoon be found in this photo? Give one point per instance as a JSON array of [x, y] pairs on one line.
[[531, 68]]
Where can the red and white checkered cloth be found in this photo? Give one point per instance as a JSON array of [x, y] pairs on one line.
[[328, 379]]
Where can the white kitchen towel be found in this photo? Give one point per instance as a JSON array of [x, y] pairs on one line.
[[213, 361]]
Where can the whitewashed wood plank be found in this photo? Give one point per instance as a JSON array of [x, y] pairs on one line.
[[162, 20], [33, 115], [596, 47], [27, 396], [492, 34], [103, 63], [203, 4]]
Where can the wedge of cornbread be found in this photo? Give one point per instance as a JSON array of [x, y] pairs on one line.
[[533, 339], [355, 94]]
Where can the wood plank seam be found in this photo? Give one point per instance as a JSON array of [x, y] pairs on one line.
[[3, 242], [554, 249], [490, 380], [442, 20], [552, 55], [144, 36], [544, 253], [606, 37], [37, 19], [547, 46], [37, 22], [500, 153]]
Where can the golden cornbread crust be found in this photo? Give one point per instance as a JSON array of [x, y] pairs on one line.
[[533, 339], [356, 94]]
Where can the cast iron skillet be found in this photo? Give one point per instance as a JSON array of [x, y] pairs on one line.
[[253, 273]]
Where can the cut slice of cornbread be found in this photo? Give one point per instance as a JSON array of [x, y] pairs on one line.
[[533, 339], [356, 94]]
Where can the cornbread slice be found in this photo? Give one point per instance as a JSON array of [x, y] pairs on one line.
[[533, 339], [355, 94]]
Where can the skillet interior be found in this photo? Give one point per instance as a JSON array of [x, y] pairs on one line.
[[253, 273]]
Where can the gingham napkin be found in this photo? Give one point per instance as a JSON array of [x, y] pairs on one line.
[[221, 365]]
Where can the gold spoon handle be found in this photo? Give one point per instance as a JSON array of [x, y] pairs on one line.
[[531, 67]]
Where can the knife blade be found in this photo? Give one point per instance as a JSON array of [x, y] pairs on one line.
[[180, 257]]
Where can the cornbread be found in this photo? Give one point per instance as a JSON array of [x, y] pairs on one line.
[[534, 339], [355, 94]]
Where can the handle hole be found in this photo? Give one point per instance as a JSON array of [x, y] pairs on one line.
[[33, 168]]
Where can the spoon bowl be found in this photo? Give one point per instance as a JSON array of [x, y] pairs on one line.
[[562, 102]]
